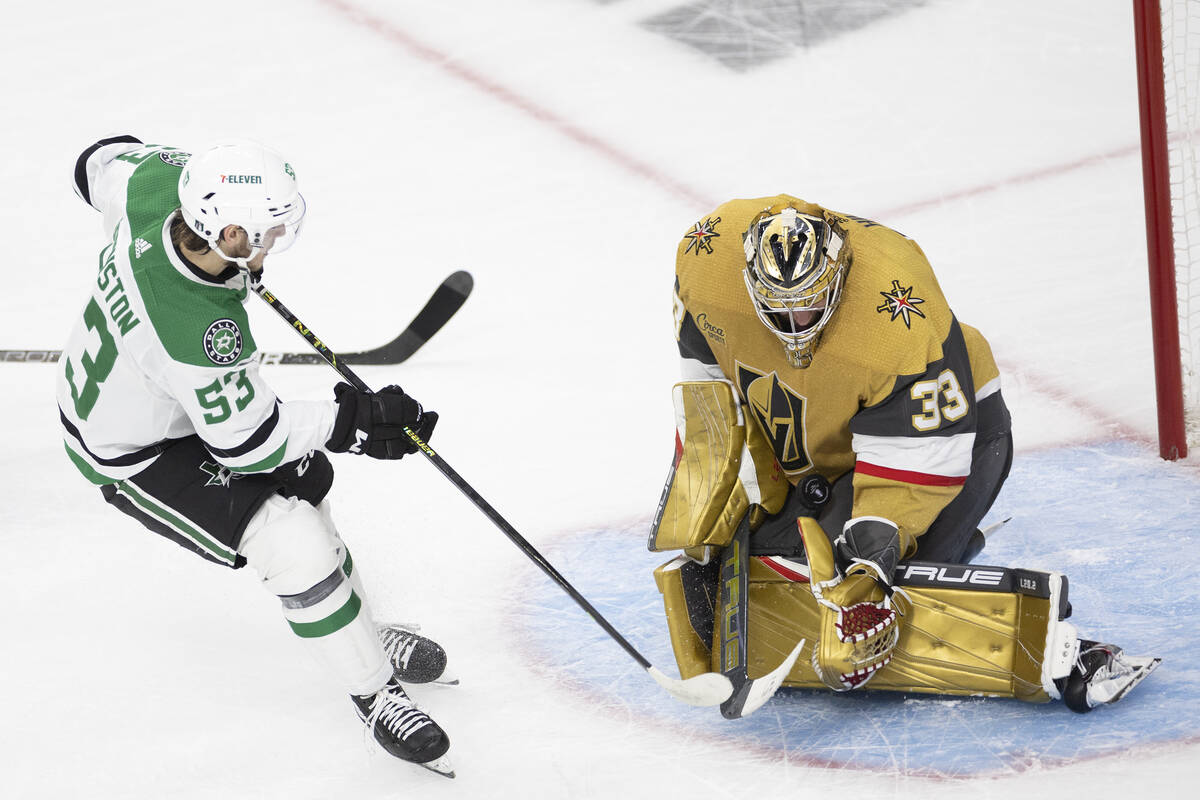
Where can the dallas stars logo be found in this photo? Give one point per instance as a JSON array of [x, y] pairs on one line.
[[176, 158], [223, 342], [701, 235], [217, 474], [900, 303]]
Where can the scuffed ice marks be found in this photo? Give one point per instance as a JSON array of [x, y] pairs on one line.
[[1120, 524]]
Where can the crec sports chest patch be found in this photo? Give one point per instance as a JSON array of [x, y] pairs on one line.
[[223, 342]]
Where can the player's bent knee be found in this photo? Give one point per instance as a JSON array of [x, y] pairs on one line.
[[291, 546]]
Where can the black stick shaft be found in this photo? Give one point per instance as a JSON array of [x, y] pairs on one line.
[[437, 311], [483, 505]]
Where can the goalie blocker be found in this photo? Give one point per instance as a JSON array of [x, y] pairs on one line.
[[962, 629]]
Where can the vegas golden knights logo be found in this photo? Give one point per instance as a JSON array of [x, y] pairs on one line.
[[780, 414]]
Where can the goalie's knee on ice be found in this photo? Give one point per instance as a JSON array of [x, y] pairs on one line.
[[291, 545]]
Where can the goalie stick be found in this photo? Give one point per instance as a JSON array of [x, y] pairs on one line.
[[441, 306], [749, 694], [708, 689]]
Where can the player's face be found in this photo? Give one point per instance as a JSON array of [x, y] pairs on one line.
[[240, 245], [271, 236], [269, 239], [801, 320]]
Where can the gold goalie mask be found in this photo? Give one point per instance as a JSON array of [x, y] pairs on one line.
[[795, 267]]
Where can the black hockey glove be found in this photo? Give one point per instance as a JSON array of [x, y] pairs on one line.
[[373, 423], [872, 539]]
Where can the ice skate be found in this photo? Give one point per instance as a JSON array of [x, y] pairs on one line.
[[404, 730], [415, 658], [1104, 673]]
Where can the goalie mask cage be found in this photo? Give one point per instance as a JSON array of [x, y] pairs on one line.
[[1168, 66]]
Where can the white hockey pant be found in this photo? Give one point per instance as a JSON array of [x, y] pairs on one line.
[[299, 557]]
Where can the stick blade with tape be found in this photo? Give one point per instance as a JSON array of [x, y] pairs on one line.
[[733, 610]]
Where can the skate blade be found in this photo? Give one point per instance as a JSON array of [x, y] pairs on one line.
[[995, 526], [448, 677], [1145, 667], [441, 766]]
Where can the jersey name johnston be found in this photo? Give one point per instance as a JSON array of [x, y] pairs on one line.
[[163, 350]]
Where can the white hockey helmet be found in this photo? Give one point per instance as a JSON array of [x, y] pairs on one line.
[[242, 183], [795, 263]]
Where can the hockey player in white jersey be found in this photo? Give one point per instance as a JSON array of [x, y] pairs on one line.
[[163, 407]]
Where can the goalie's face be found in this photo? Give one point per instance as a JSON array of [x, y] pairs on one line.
[[794, 276]]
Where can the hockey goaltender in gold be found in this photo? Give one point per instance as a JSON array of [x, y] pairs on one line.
[[834, 457]]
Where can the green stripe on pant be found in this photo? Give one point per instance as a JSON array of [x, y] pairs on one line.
[[334, 622]]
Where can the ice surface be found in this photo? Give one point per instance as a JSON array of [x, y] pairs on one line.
[[1127, 543], [559, 162]]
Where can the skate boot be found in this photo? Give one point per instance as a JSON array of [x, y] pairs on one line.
[[1103, 673], [404, 730], [415, 659]]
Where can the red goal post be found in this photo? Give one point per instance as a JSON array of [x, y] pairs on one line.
[[1168, 66]]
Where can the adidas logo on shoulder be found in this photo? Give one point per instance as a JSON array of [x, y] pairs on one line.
[[140, 246]]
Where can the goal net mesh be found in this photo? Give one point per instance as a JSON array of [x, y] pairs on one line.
[[1181, 62]]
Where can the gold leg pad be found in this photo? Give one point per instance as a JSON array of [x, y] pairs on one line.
[[952, 641]]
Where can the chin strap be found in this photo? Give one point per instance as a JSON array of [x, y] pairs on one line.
[[242, 263]]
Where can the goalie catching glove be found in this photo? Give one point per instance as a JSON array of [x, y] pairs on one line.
[[373, 423], [858, 626]]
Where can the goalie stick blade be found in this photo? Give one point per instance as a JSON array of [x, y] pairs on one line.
[[733, 601], [708, 689], [444, 304], [750, 696]]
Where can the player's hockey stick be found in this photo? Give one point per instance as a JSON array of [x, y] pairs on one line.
[[709, 689], [445, 302], [748, 694]]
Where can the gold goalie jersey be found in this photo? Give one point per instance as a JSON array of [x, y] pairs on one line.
[[893, 382]]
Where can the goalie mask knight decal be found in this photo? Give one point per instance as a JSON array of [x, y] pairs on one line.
[[795, 267]]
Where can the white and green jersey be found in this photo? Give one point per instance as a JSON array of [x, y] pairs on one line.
[[163, 350]]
